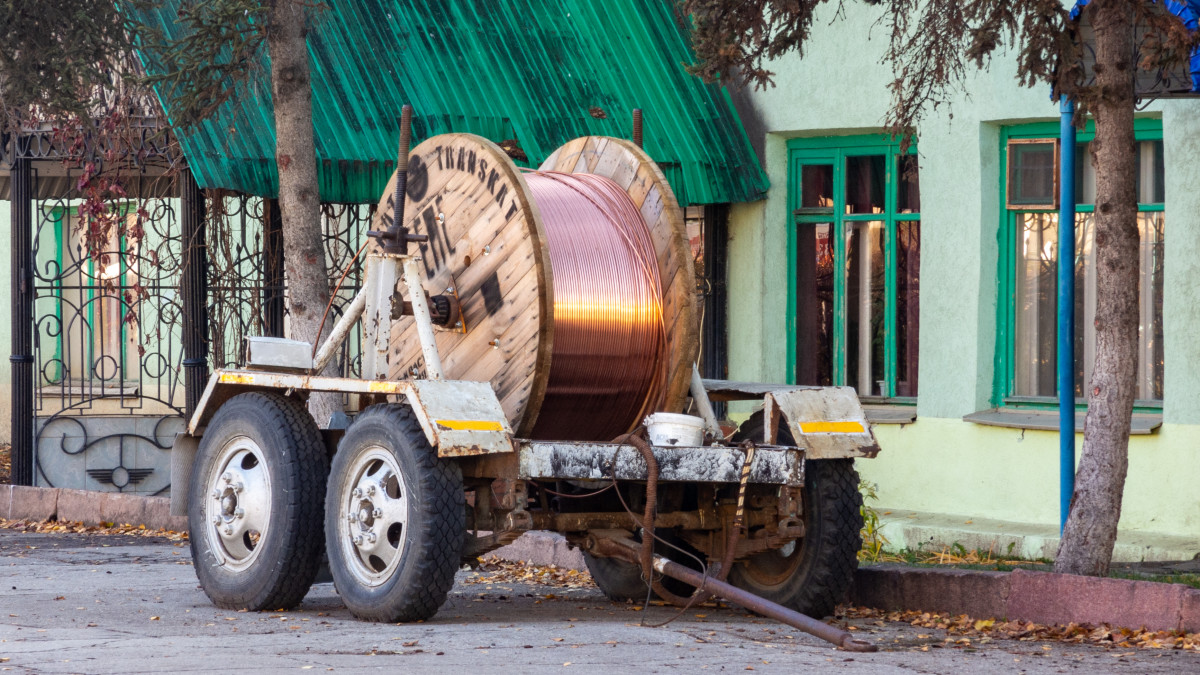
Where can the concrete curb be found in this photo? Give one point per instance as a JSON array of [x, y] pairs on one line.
[[90, 508], [1040, 597]]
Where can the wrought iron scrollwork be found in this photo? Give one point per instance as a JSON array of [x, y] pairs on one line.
[[108, 359]]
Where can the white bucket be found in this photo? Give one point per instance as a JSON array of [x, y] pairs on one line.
[[673, 429]]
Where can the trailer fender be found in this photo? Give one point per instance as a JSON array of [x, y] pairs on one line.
[[827, 422]]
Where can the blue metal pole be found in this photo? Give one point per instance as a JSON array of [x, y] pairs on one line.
[[1066, 311]]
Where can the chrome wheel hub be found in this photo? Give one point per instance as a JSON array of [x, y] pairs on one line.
[[238, 507], [372, 516]]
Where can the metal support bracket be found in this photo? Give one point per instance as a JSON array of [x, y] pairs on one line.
[[416, 295], [377, 316]]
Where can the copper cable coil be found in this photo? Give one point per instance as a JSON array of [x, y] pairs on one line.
[[607, 367]]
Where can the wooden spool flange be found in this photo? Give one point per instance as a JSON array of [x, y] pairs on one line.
[[487, 245]]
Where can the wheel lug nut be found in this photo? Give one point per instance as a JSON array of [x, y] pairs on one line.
[[228, 529], [352, 517], [358, 540], [227, 477], [216, 494], [216, 520], [371, 537], [239, 513], [377, 513], [238, 487], [356, 493], [370, 490]]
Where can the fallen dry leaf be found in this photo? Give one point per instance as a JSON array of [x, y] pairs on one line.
[[496, 571], [963, 626], [53, 527]]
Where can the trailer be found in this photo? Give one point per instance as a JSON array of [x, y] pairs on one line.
[[466, 436]]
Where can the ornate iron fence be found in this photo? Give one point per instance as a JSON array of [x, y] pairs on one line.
[[109, 378]]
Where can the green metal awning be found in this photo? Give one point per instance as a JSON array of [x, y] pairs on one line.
[[538, 71]]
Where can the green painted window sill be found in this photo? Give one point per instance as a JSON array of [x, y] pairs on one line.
[[1047, 420]]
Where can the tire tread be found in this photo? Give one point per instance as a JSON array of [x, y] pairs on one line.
[[441, 538], [295, 568]]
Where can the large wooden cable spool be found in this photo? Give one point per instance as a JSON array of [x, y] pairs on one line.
[[489, 247]]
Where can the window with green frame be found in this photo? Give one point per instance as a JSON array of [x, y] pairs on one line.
[[854, 264], [1027, 344]]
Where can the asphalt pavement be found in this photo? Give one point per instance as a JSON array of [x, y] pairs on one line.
[[123, 604]]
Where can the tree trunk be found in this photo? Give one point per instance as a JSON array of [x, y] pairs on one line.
[[299, 200], [1091, 528]]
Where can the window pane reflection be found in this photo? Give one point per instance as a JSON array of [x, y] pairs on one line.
[[814, 305], [816, 186], [1036, 304], [908, 194], [864, 184], [908, 305], [864, 307]]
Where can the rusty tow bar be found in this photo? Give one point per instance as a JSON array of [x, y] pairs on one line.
[[617, 544]]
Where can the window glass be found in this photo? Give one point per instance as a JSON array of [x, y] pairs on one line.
[[816, 188], [908, 304], [1037, 241], [814, 304], [864, 308], [1150, 172], [1037, 304], [908, 195], [865, 184], [1149, 162], [1032, 174]]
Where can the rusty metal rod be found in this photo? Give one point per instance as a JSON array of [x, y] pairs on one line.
[[752, 602], [637, 127], [601, 520], [397, 244], [340, 330]]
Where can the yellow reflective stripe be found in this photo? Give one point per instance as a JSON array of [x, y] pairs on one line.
[[831, 428], [384, 387], [235, 378], [470, 425]]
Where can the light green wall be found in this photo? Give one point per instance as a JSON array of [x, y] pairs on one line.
[[950, 466], [1181, 287], [5, 324], [942, 463]]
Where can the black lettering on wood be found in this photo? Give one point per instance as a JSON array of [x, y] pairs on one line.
[[418, 179], [492, 300], [439, 247]]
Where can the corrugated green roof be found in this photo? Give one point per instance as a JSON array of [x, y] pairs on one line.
[[525, 69]]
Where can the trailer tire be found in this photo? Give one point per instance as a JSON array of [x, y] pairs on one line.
[[622, 581], [256, 496], [816, 574], [618, 580], [394, 519]]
